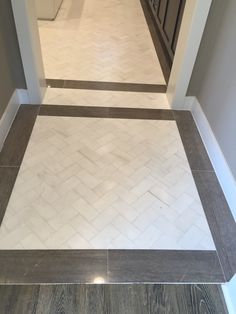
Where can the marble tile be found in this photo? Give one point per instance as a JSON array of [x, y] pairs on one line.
[[79, 97], [106, 183], [105, 40]]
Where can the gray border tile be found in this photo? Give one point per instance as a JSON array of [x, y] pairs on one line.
[[106, 86], [195, 150], [106, 112], [163, 266], [220, 219], [52, 266], [17, 140], [113, 266], [7, 180]]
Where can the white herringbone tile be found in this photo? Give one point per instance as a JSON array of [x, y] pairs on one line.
[[104, 183], [79, 97], [104, 40]]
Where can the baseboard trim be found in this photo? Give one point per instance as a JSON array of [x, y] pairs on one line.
[[188, 103], [216, 156], [229, 295], [23, 96], [20, 96]]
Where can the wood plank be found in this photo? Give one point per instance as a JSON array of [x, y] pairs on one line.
[[18, 299], [112, 299]]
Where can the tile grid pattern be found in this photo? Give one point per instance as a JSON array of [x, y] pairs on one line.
[[104, 184]]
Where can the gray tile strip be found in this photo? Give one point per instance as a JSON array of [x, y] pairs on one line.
[[163, 266], [7, 180], [106, 112], [220, 219], [84, 266], [106, 86], [17, 140], [52, 266], [195, 150]]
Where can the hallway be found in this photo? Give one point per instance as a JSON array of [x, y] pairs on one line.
[[101, 42], [105, 40], [104, 183]]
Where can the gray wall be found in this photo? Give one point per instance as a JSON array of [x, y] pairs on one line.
[[11, 70], [214, 77]]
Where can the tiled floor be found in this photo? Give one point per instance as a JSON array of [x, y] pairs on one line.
[[61, 96], [104, 40], [105, 183]]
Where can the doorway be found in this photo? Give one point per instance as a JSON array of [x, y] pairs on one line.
[[101, 54], [194, 19]]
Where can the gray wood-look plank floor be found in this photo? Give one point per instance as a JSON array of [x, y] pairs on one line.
[[124, 299]]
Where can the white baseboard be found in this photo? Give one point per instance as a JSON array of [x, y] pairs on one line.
[[217, 158], [224, 176], [23, 96], [19, 97], [229, 290], [188, 103]]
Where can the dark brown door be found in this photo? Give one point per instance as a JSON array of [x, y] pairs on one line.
[[168, 16]]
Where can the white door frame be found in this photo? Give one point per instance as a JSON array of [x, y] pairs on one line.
[[24, 12], [190, 36], [191, 31]]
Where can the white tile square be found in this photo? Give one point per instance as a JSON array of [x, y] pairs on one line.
[[141, 198]]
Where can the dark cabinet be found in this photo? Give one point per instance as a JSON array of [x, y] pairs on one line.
[[168, 16]]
